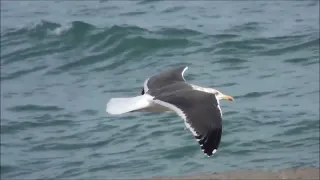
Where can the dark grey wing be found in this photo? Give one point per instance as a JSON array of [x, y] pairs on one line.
[[164, 78], [201, 113], [170, 89]]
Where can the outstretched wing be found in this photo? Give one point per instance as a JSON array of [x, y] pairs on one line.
[[164, 78], [201, 114]]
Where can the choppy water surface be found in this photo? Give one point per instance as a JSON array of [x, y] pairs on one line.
[[62, 61]]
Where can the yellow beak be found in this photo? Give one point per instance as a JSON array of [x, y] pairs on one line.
[[229, 98]]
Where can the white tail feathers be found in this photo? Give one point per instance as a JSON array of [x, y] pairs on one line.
[[124, 105]]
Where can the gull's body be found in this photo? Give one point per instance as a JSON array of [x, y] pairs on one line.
[[168, 91]]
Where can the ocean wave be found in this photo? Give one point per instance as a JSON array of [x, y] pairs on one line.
[[19, 126], [126, 43], [38, 40], [257, 94], [32, 107], [285, 94], [7, 168], [147, 1], [43, 28], [175, 152], [231, 61], [313, 43], [69, 146], [248, 45], [246, 27], [79, 30], [178, 32], [303, 61], [20, 73], [173, 9], [299, 128]]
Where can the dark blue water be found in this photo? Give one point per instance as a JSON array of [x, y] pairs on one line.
[[62, 61]]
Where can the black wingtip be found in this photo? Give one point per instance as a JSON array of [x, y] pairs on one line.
[[210, 143]]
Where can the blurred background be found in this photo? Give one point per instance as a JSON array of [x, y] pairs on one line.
[[61, 61]]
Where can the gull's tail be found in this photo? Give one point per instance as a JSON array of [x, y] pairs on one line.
[[123, 105]]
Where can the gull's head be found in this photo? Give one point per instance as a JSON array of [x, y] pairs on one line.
[[221, 96]]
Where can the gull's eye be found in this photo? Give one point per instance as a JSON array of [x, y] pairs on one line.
[[216, 93]]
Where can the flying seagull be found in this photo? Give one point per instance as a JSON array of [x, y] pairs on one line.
[[169, 91]]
